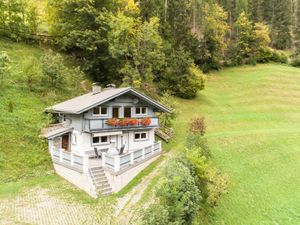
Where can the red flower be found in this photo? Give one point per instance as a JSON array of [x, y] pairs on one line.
[[134, 122], [112, 122], [146, 121]]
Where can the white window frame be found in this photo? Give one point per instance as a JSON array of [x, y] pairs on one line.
[[141, 114], [100, 143], [140, 138], [100, 108]]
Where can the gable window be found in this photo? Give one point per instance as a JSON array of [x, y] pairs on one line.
[[139, 136], [141, 111], [100, 140], [100, 111]]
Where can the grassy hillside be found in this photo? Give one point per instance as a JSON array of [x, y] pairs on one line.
[[253, 119], [22, 152]]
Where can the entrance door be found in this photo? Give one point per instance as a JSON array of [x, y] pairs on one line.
[[125, 141], [127, 112], [65, 142], [115, 112]]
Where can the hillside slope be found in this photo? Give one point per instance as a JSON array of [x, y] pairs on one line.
[[22, 152], [253, 116]]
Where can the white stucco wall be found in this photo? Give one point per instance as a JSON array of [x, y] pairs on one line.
[[118, 181], [78, 179]]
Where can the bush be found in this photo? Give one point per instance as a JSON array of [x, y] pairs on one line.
[[295, 61], [4, 66], [179, 193], [198, 141], [53, 70], [166, 119], [191, 83], [156, 214], [32, 72], [279, 56], [197, 126]]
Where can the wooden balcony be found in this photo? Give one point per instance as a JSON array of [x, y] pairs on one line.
[[103, 124]]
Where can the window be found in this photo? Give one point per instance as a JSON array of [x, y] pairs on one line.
[[100, 140], [141, 111], [100, 111], [140, 136], [127, 112]]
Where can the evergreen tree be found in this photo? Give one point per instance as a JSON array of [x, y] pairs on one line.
[[281, 25]]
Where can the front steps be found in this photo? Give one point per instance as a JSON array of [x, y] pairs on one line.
[[100, 181]]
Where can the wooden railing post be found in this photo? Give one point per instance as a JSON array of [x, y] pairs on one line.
[[85, 163], [103, 160], [52, 151], [143, 153], [117, 163], [60, 155], [159, 146], [72, 158], [131, 158]]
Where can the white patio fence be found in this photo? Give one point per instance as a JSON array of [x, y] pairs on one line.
[[112, 162], [120, 162], [70, 159]]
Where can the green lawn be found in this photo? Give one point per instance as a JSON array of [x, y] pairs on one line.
[[22, 153], [253, 116]]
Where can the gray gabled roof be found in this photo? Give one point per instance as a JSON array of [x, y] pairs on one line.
[[57, 132], [88, 101]]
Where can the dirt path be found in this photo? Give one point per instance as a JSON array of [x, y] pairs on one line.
[[127, 212]]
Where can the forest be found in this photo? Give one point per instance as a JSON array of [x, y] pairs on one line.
[[161, 45], [178, 52]]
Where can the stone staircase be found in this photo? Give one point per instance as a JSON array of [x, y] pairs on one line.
[[100, 181]]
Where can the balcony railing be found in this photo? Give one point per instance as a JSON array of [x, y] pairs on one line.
[[104, 124], [70, 159], [118, 163]]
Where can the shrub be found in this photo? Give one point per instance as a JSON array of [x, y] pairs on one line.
[[191, 83], [166, 119], [4, 66], [10, 107], [295, 61], [32, 72], [197, 125], [156, 214], [53, 70], [198, 141], [179, 193], [279, 56]]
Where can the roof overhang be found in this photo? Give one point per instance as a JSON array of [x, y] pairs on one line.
[[58, 132], [125, 91]]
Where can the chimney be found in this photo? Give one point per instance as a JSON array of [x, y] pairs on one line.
[[96, 88], [110, 86]]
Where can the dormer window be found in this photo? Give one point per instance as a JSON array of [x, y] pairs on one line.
[[141, 111], [100, 111]]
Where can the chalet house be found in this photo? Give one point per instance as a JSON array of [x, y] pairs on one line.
[[104, 138]]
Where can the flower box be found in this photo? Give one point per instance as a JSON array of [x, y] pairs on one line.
[[146, 121], [133, 122], [112, 122]]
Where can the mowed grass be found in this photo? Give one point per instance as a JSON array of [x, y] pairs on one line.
[[252, 116]]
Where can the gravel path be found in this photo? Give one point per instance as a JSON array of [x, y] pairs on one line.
[[40, 206]]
